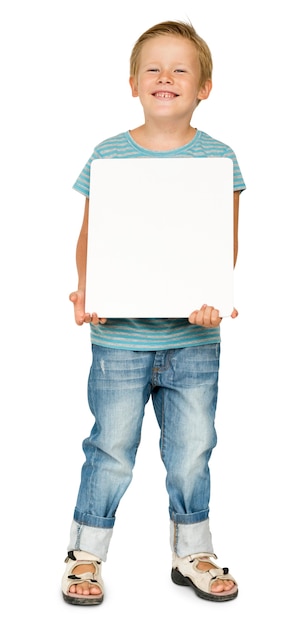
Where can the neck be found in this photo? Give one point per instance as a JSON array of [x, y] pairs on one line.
[[160, 137]]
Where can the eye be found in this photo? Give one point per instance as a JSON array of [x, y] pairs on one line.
[[153, 69], [179, 71]]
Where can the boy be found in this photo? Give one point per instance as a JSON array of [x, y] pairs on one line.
[[173, 361]]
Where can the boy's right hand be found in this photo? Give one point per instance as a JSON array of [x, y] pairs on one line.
[[78, 299]]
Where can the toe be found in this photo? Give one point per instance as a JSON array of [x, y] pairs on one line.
[[95, 591], [222, 585], [85, 589], [82, 589]]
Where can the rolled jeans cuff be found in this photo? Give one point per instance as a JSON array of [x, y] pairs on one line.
[[188, 539], [90, 539]]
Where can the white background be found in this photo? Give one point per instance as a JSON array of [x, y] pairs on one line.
[[64, 85]]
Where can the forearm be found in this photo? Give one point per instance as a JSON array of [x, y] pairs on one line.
[[81, 252], [235, 225], [81, 249], [235, 253]]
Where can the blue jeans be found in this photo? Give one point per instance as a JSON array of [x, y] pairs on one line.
[[183, 385]]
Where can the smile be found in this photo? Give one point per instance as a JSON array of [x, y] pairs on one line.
[[165, 95]]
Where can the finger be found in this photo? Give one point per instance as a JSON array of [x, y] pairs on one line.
[[79, 319], [87, 318], [208, 315], [193, 318], [215, 317], [94, 319], [197, 316]]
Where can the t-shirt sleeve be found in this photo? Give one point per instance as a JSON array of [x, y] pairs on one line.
[[83, 181], [238, 181]]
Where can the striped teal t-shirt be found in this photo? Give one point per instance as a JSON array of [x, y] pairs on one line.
[[155, 334]]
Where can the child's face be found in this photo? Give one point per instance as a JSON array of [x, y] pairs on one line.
[[168, 79]]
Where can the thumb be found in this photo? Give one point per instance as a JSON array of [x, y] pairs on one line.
[[73, 297]]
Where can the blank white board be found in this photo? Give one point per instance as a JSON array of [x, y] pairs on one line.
[[160, 240]]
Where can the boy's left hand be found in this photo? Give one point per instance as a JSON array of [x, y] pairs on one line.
[[208, 316]]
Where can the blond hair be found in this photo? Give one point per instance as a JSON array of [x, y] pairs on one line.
[[180, 29]]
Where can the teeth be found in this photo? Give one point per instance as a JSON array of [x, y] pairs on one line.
[[164, 95]]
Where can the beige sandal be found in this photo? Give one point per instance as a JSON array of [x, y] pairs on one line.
[[185, 572], [94, 578]]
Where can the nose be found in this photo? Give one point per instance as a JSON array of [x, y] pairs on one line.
[[165, 77]]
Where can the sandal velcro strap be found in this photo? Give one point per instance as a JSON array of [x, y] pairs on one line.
[[81, 555]]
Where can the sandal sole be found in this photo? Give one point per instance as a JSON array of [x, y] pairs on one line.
[[184, 581]]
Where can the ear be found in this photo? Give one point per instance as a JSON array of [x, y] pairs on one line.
[[205, 90], [134, 86]]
